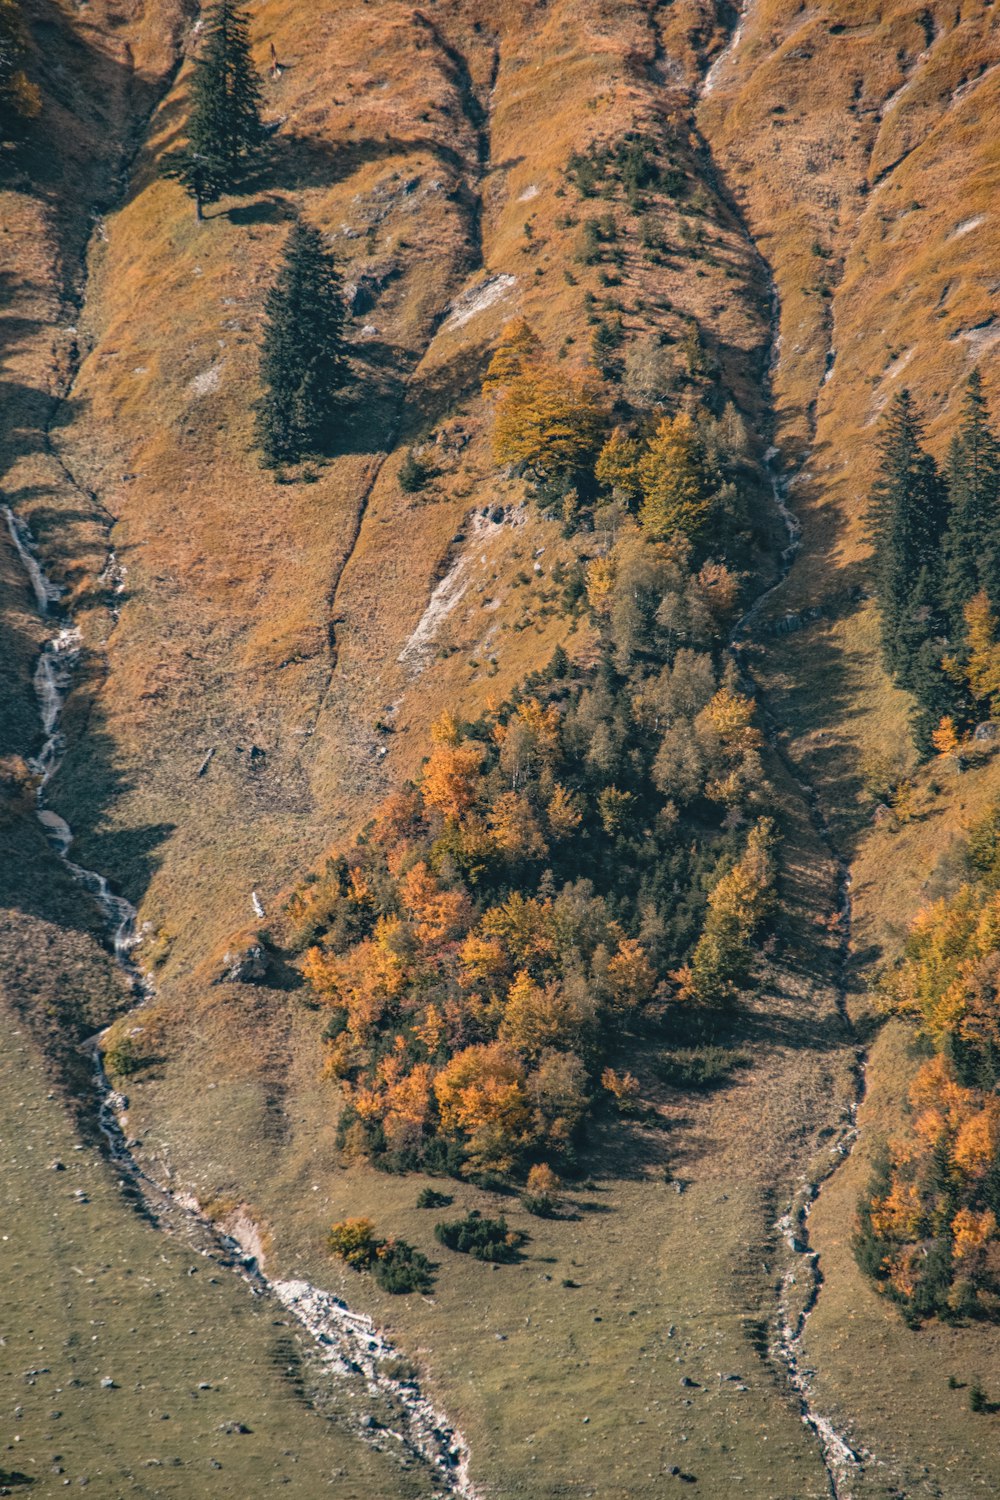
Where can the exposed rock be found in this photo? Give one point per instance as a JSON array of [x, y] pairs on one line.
[[244, 965], [364, 292]]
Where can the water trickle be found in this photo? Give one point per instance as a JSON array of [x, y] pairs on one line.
[[46, 592], [349, 1341], [52, 680]]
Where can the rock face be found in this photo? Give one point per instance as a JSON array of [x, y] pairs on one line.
[[246, 965]]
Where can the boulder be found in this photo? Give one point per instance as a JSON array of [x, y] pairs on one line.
[[246, 965]]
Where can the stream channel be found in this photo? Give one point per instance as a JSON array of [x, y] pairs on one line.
[[349, 1343]]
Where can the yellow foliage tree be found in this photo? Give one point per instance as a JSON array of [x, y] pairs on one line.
[[618, 466], [548, 421], [539, 1016], [563, 814], [672, 476], [624, 1087], [438, 915], [519, 346], [945, 737], [982, 670], [515, 828], [631, 977], [481, 1095], [451, 777], [600, 584]]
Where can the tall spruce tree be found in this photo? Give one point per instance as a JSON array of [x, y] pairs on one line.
[[906, 520], [303, 364], [225, 134], [972, 540]]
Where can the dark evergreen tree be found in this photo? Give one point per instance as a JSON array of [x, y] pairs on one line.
[[972, 540], [303, 364], [225, 134], [906, 519]]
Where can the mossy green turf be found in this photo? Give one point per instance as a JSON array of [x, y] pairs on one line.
[[92, 1292]]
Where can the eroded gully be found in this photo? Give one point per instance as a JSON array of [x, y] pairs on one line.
[[352, 1351], [802, 1277]]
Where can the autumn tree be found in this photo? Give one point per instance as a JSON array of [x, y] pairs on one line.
[[617, 466], [674, 486], [982, 664], [481, 1097], [548, 422], [519, 348], [541, 1195], [738, 904]]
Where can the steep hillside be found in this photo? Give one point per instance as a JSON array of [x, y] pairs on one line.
[[859, 148], [775, 219]]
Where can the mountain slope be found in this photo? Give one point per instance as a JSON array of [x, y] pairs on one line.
[[276, 653]]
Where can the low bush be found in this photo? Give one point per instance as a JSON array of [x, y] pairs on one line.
[[413, 474], [398, 1267], [431, 1198], [486, 1239], [700, 1068]]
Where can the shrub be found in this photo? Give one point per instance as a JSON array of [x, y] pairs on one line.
[[124, 1057], [542, 1194], [700, 1067], [977, 1397], [353, 1240], [485, 1239], [398, 1267], [431, 1198], [414, 475]]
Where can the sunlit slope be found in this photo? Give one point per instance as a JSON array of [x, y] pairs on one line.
[[270, 621], [861, 148]]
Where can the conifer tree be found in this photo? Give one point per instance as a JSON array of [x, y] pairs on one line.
[[225, 134], [303, 363], [905, 520], [519, 347], [972, 540]]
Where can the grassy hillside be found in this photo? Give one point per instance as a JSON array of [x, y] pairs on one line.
[[282, 645], [855, 144], [275, 616]]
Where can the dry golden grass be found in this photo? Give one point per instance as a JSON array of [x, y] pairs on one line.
[[865, 137], [274, 616]]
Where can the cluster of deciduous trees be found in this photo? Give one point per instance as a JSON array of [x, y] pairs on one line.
[[583, 858], [682, 475], [937, 566], [928, 1227]]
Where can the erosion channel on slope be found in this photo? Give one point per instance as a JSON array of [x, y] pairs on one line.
[[349, 1343], [841, 1458]]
